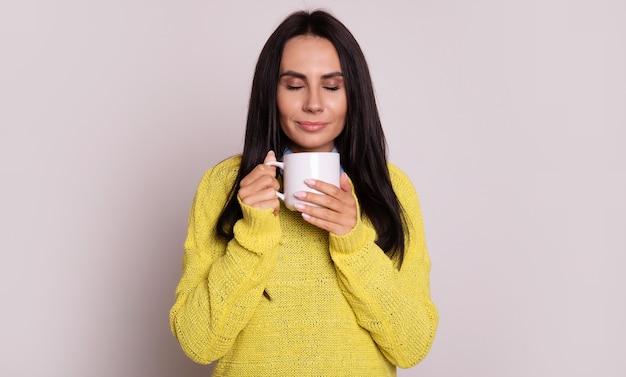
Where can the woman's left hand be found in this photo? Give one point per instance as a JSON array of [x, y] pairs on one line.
[[337, 208]]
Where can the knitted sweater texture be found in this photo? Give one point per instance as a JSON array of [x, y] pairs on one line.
[[339, 306]]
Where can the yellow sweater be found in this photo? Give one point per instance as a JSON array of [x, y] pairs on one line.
[[339, 306]]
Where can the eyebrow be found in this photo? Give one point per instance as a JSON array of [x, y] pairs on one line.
[[303, 77]]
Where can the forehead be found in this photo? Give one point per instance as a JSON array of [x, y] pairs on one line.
[[310, 53]]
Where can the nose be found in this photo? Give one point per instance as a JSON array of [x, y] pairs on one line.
[[313, 101]]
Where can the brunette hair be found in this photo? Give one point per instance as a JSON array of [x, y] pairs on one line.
[[361, 144]]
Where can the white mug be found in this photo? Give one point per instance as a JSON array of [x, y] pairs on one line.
[[297, 167]]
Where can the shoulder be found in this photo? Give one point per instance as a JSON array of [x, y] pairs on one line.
[[226, 168], [224, 173], [408, 198], [400, 180]]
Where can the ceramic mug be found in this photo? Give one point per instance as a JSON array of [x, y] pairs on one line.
[[297, 167]]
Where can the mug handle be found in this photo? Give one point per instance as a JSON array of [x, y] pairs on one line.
[[280, 165]]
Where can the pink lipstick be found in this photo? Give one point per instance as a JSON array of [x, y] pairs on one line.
[[311, 126]]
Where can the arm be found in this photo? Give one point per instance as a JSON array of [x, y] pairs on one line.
[[394, 306], [222, 281]]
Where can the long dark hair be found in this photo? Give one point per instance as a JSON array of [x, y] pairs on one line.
[[361, 144]]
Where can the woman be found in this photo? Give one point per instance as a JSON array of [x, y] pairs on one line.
[[337, 289]]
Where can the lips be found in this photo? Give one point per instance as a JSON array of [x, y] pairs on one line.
[[311, 126]]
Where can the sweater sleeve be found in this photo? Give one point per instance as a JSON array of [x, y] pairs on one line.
[[222, 281], [393, 305]]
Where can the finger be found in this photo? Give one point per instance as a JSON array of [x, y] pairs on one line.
[[267, 204], [338, 216], [270, 156], [329, 191], [255, 174], [344, 183], [323, 187], [320, 200], [260, 171], [338, 228], [255, 198], [339, 213], [263, 183]]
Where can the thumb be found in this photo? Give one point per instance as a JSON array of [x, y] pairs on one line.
[[344, 182], [269, 157]]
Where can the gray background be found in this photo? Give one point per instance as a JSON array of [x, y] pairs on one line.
[[509, 116]]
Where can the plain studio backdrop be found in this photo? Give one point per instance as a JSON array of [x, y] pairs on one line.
[[509, 116]]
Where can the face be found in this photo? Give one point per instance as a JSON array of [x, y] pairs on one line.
[[311, 96]]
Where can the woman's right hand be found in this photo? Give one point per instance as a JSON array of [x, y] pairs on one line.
[[258, 188]]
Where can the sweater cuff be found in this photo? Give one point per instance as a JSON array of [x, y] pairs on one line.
[[258, 230], [357, 239], [352, 252]]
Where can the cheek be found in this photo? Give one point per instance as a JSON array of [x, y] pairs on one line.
[[338, 102], [340, 108], [284, 106], [283, 116]]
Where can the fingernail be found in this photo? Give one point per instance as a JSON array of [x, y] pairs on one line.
[[310, 181], [300, 194], [300, 206]]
